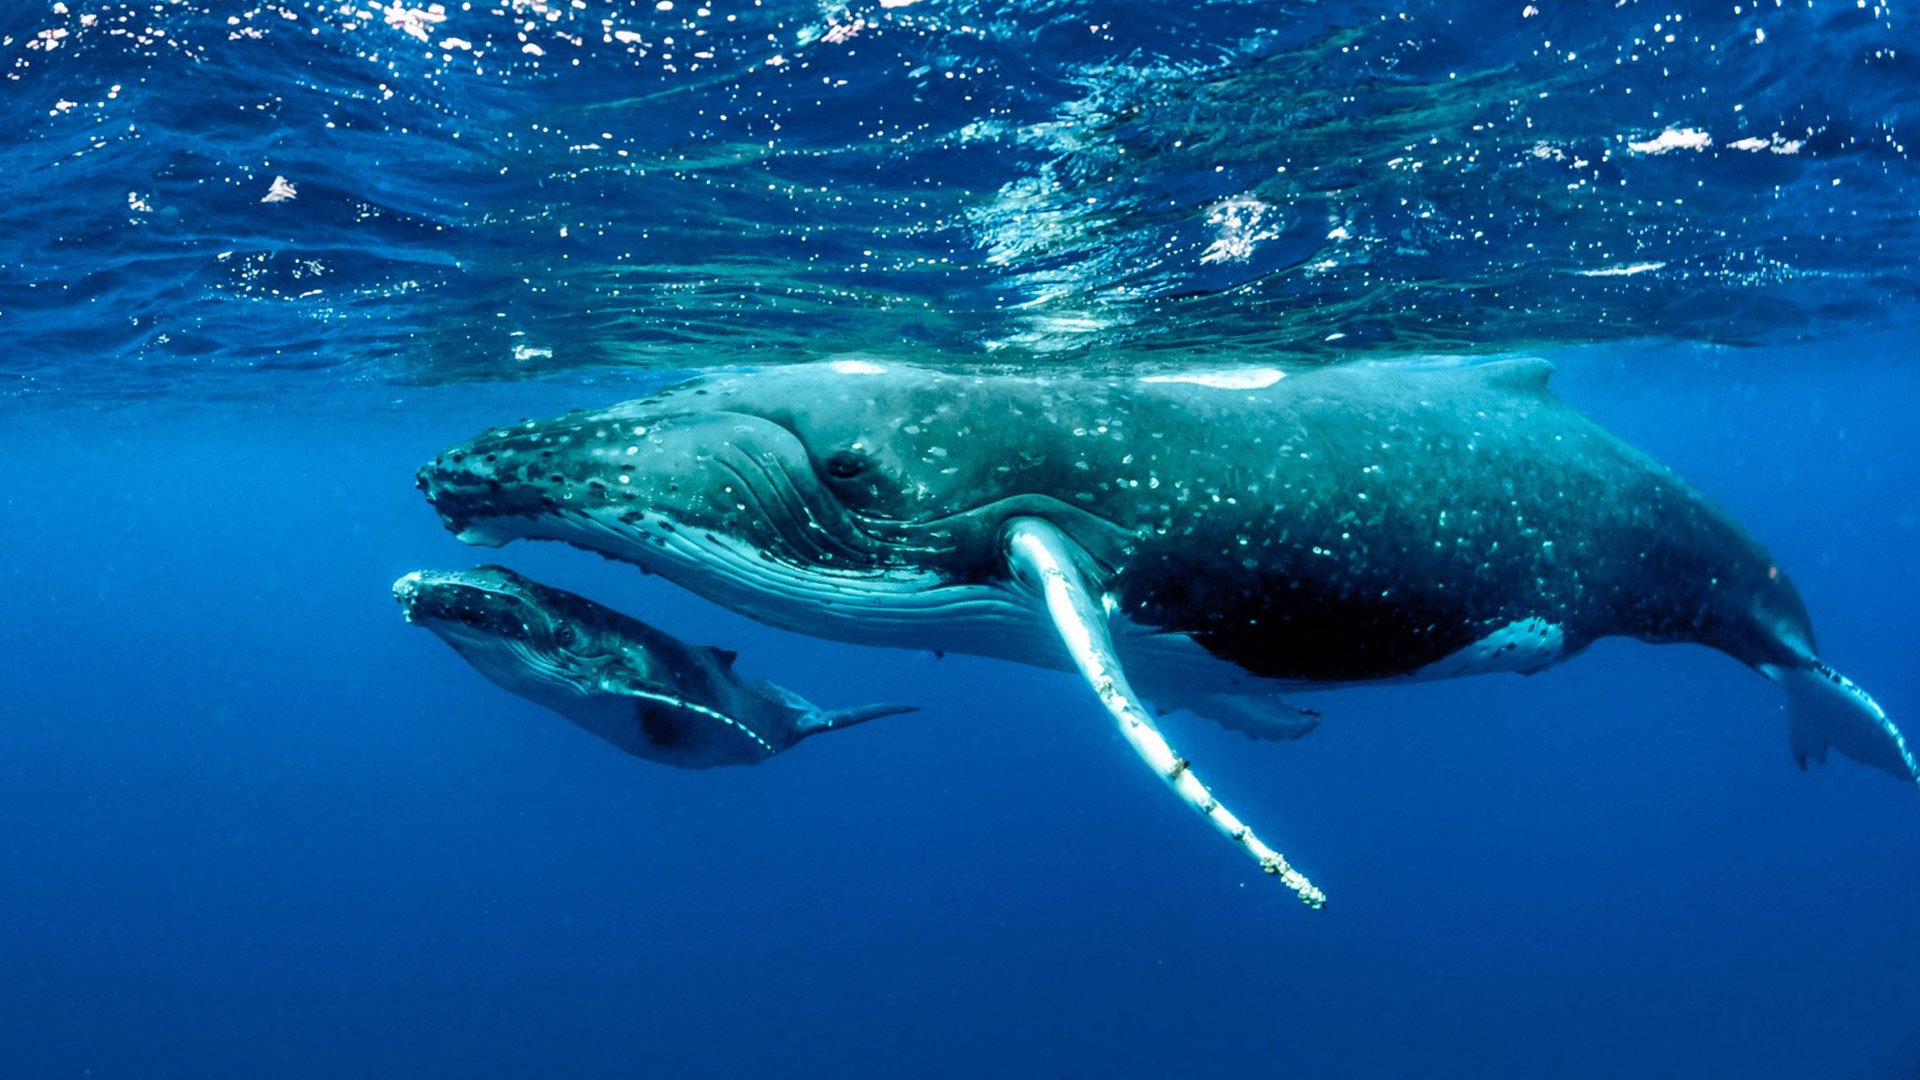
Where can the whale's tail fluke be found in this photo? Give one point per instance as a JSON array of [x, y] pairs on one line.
[[812, 720], [1827, 709]]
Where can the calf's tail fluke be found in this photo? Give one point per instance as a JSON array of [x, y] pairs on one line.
[[1827, 709], [860, 714]]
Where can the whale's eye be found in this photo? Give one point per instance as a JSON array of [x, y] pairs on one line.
[[846, 465], [566, 636]]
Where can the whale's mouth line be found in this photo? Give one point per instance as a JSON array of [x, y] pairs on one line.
[[916, 596], [904, 606]]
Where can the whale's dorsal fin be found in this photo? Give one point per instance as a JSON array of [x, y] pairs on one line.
[[1528, 374], [724, 657]]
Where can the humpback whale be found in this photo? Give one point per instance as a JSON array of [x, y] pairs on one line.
[[1198, 540], [629, 683]]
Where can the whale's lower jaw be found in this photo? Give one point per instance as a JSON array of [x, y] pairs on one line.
[[899, 608], [512, 666]]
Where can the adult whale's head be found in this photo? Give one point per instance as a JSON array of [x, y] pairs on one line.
[[848, 499]]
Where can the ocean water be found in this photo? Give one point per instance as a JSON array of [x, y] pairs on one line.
[[252, 824]]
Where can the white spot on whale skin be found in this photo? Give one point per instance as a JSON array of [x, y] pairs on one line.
[[1237, 379], [1525, 645], [857, 367]]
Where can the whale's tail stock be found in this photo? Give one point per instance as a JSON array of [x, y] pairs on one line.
[[1827, 709]]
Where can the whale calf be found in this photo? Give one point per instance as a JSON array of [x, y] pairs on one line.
[[631, 684], [1199, 540]]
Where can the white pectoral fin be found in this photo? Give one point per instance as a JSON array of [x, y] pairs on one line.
[[1825, 708], [1043, 558]]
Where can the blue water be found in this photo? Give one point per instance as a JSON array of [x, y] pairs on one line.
[[255, 825]]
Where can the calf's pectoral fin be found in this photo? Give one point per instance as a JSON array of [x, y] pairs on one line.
[[835, 719], [812, 720], [1042, 558], [1825, 708]]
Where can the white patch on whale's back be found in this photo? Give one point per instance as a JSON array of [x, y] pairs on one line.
[[857, 367], [1525, 645], [1235, 379]]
